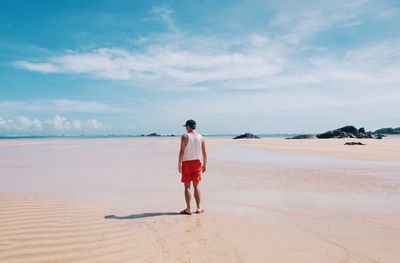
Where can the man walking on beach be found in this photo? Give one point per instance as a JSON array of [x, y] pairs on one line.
[[193, 150]]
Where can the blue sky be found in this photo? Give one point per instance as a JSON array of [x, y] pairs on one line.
[[96, 67]]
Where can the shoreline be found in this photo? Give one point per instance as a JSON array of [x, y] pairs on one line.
[[316, 147]]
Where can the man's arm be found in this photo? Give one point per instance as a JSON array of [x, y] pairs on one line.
[[184, 140], [203, 149]]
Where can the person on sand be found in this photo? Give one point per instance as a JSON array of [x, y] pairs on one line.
[[192, 151]]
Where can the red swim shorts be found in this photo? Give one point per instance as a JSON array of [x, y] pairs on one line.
[[191, 171]]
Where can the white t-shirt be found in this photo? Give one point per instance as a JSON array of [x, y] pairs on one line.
[[193, 149]]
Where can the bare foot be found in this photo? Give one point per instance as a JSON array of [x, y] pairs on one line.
[[199, 211]]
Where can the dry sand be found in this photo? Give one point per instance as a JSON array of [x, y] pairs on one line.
[[268, 200]]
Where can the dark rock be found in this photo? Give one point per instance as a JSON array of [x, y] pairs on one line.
[[302, 136], [346, 132], [354, 143], [153, 135], [247, 136], [368, 135], [334, 134], [379, 136], [388, 131], [349, 129]]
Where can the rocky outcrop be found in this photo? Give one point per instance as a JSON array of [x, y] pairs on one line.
[[153, 135], [346, 132], [247, 136], [302, 136], [388, 131], [354, 143]]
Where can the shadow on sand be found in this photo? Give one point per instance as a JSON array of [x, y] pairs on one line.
[[142, 215]]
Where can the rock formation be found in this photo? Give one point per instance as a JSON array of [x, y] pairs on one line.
[[346, 132], [247, 136], [388, 131], [354, 143], [153, 135], [302, 136]]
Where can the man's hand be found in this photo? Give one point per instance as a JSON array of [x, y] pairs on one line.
[[203, 150], [180, 168], [203, 169]]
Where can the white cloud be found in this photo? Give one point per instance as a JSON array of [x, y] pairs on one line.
[[25, 123], [263, 62], [93, 124], [160, 66], [38, 67], [57, 123], [20, 123], [60, 123]]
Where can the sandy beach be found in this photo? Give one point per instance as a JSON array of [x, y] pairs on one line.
[[266, 200]]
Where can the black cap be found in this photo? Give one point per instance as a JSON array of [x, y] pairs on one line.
[[191, 124]]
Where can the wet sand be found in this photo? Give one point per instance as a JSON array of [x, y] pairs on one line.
[[268, 200]]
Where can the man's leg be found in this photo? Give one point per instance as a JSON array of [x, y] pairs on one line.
[[197, 196], [188, 196]]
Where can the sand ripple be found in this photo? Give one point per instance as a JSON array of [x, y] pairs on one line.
[[48, 230]]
